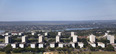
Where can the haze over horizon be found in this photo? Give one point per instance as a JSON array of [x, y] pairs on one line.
[[57, 10]]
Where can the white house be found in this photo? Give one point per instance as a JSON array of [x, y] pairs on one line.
[[14, 33], [33, 33], [33, 45], [22, 45], [7, 33], [101, 44], [7, 39], [111, 39], [75, 38], [24, 39], [80, 44], [92, 44], [20, 33], [92, 38], [46, 33], [57, 38], [40, 38], [73, 44], [14, 45], [72, 34], [52, 45], [61, 45], [40, 45], [59, 33]]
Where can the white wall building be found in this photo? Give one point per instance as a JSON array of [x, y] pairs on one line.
[[52, 45], [40, 45], [92, 44], [33, 45], [46, 33], [33, 33], [92, 38], [59, 33], [14, 45], [111, 39], [75, 39], [7, 33], [101, 44], [80, 44], [57, 38], [24, 39], [22, 45], [61, 45], [72, 44], [40, 38], [20, 33], [7, 39], [72, 34], [14, 33]]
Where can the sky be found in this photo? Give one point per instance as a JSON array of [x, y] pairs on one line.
[[57, 10]]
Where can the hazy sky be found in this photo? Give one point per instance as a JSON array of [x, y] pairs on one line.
[[57, 10]]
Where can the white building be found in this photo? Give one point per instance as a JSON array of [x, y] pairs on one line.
[[92, 38], [38, 34], [92, 44], [40, 38], [7, 39], [80, 44], [59, 33], [108, 37], [52, 45], [24, 39], [75, 39], [111, 39], [61, 45], [14, 45], [7, 33], [40, 45], [20, 33], [46, 33], [33, 45], [57, 38], [33, 33], [22, 45], [73, 44], [14, 33], [101, 44], [72, 34]]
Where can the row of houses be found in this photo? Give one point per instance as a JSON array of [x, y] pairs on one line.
[[58, 43]]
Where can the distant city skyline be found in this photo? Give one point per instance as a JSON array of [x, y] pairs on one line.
[[57, 10]]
